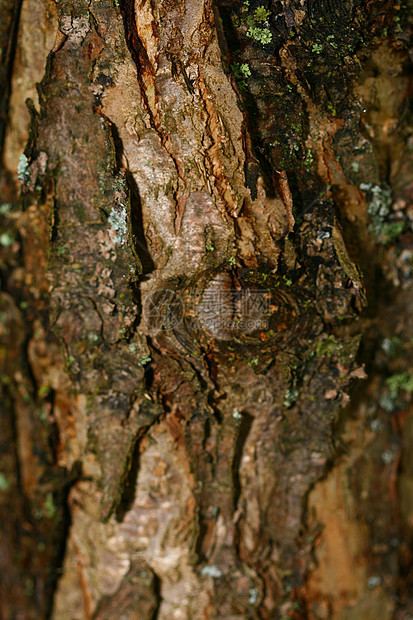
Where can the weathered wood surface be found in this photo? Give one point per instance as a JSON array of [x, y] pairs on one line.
[[205, 311]]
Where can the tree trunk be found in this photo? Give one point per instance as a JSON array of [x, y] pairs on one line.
[[205, 315]]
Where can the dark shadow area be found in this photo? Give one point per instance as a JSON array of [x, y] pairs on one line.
[[8, 43], [139, 239], [244, 429], [59, 537], [129, 488], [157, 592]]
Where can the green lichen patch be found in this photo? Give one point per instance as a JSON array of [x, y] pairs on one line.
[[290, 397], [261, 35], [23, 171], [398, 391], [6, 239], [400, 381], [5, 483], [328, 346], [241, 73], [118, 222], [343, 350], [255, 22], [380, 211]]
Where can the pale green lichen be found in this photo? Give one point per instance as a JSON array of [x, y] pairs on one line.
[[245, 69], [308, 161], [393, 399], [261, 14], [388, 456], [290, 397], [4, 483], [379, 208], [374, 581], [380, 199], [123, 333], [145, 359], [391, 345], [5, 207], [117, 219], [255, 30], [253, 596], [211, 571], [330, 40], [327, 347], [43, 391], [262, 35], [389, 402], [400, 381], [241, 73], [6, 240], [391, 231], [317, 48], [23, 172], [49, 508]]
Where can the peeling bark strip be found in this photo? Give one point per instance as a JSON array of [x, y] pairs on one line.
[[216, 211]]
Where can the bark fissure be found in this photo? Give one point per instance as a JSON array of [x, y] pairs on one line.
[[8, 42], [244, 429]]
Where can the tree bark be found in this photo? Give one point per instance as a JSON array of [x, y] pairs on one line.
[[205, 315]]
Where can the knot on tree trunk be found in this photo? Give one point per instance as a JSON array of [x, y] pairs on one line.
[[246, 309]]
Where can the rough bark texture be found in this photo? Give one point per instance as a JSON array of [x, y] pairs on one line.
[[205, 314]]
